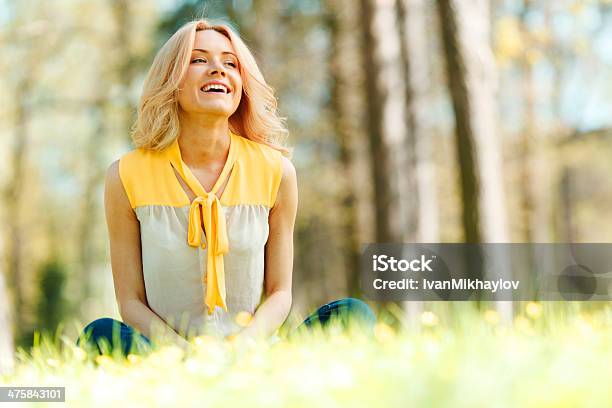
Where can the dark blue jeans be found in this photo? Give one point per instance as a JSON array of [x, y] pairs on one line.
[[103, 336]]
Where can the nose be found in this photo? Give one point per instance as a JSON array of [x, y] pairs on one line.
[[217, 69]]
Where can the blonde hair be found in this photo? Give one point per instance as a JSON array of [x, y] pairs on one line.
[[256, 117]]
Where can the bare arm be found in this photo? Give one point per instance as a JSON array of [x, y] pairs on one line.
[[278, 259], [126, 261]]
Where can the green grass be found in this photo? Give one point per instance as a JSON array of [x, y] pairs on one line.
[[550, 356]]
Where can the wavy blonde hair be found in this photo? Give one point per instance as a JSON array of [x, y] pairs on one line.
[[256, 117]]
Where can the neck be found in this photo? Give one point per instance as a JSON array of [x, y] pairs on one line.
[[203, 139]]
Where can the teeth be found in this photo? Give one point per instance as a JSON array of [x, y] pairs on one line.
[[215, 86]]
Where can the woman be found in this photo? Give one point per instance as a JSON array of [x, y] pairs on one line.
[[201, 214]]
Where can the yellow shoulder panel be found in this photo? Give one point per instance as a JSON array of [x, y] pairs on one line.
[[256, 176], [148, 179]]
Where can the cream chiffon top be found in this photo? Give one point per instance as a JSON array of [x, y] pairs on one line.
[[203, 259]]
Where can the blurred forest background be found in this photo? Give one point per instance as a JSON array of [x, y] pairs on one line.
[[412, 120]]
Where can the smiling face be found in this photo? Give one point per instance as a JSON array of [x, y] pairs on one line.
[[212, 85]]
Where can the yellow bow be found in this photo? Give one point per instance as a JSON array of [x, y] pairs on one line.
[[208, 210]]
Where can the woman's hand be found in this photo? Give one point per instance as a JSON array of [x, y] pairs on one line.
[[182, 343], [278, 261], [126, 259]]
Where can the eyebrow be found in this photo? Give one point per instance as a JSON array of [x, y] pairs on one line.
[[208, 52]]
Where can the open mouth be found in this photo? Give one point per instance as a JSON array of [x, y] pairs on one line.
[[215, 88]]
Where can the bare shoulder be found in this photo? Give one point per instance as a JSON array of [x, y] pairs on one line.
[[114, 192], [287, 191], [112, 173], [113, 179], [289, 173]]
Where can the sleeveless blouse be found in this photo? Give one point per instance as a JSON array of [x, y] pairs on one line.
[[203, 259]]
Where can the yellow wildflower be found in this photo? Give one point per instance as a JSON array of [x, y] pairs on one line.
[[243, 319], [533, 310], [491, 316], [429, 319], [383, 332]]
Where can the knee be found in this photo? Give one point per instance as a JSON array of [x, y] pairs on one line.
[[358, 309], [100, 327]]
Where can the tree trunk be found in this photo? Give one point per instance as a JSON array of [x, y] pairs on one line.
[[341, 81], [465, 28], [89, 200], [6, 330], [384, 115], [536, 168], [566, 222], [12, 199], [423, 223], [124, 68]]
